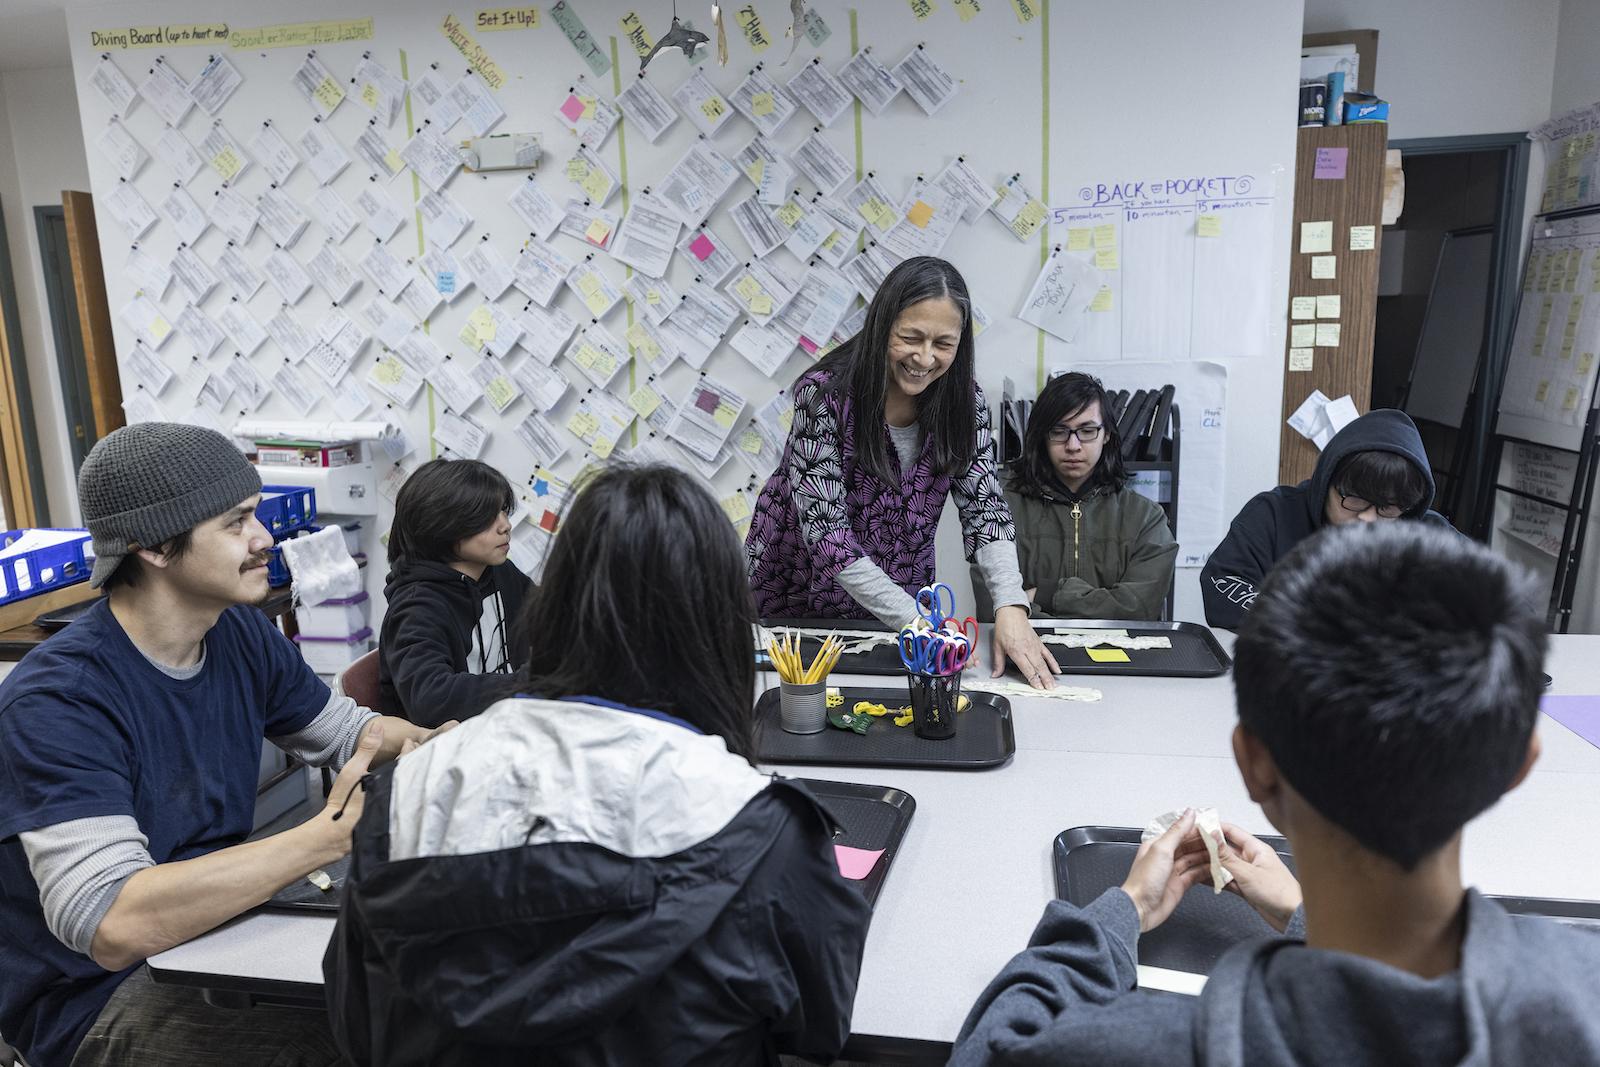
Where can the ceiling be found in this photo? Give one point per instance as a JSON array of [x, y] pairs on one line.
[[35, 35]]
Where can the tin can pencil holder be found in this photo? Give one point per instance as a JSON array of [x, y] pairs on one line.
[[934, 699], [803, 709]]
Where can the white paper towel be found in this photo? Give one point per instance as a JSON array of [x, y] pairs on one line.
[[308, 430], [321, 566], [1208, 823]]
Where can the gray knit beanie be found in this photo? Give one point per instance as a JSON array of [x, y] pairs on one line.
[[151, 481]]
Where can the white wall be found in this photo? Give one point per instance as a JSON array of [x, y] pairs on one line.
[[1452, 67], [38, 159], [1577, 74]]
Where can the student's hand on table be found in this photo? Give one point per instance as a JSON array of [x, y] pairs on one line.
[[1259, 876], [1016, 640], [1164, 870]]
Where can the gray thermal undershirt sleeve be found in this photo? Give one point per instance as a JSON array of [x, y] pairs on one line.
[[330, 739], [876, 591], [80, 867], [1001, 573]]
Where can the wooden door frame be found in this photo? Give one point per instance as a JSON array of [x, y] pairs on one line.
[[66, 331], [94, 312]]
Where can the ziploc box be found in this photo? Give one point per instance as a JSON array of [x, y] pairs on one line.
[[1364, 107]]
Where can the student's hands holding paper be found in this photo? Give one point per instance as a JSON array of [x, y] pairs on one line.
[[1259, 875], [410, 744], [1164, 870], [1014, 638]]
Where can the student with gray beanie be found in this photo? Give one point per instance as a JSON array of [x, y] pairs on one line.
[[130, 745]]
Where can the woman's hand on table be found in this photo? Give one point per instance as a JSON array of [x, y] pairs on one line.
[[1015, 640]]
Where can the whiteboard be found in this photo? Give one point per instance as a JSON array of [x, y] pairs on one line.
[[1452, 330]]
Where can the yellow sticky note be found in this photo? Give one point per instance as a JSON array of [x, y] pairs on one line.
[[922, 8], [873, 210], [597, 232], [652, 296], [1316, 236], [725, 413], [1585, 361], [582, 423], [1302, 307], [1540, 393], [329, 93], [834, 237], [1328, 307], [577, 170], [369, 94], [756, 169], [588, 285], [636, 335], [1570, 401], [1078, 238], [469, 337], [1101, 301], [227, 163], [1363, 238], [1324, 266], [393, 161], [1105, 258], [761, 304], [919, 214], [1028, 219], [736, 507], [597, 185], [389, 371], [160, 327], [598, 304], [786, 418], [644, 400], [602, 446], [1302, 336], [1208, 226], [586, 355], [750, 442], [481, 317], [488, 330], [1328, 334], [761, 104], [1025, 9], [1300, 358], [747, 288], [588, 103], [1107, 655], [713, 108], [500, 392], [966, 8], [1105, 236], [790, 213]]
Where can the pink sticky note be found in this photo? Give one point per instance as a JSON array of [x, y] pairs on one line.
[[573, 108], [855, 863], [1330, 162], [707, 401], [702, 247], [808, 344]]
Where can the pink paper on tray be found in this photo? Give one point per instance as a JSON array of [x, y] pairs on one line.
[[1580, 714], [855, 863]]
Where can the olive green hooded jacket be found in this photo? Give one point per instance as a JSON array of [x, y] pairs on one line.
[[1108, 554]]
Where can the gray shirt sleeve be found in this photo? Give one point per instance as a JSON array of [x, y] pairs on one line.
[[80, 867], [997, 561], [330, 739], [874, 590]]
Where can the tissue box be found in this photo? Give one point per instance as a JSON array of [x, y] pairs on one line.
[[330, 655], [340, 619], [1364, 107]]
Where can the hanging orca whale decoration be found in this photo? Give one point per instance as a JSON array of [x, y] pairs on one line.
[[679, 37]]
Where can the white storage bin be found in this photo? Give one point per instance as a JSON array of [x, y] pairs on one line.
[[335, 618], [330, 655]]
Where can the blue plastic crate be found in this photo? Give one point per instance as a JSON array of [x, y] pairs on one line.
[[40, 570], [285, 508]]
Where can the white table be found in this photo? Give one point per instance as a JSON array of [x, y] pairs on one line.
[[974, 870]]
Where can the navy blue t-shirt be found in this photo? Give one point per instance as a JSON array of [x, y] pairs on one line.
[[88, 727]]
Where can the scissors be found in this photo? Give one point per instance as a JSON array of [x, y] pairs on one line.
[[936, 603], [952, 626], [930, 652]]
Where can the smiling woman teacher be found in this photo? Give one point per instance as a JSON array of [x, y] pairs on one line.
[[884, 428]]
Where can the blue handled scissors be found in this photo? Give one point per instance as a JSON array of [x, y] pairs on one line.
[[936, 603], [930, 652]]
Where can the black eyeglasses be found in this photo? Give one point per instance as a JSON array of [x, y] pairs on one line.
[[1358, 505], [1086, 434]]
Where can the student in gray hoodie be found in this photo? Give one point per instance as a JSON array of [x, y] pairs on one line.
[[1388, 680]]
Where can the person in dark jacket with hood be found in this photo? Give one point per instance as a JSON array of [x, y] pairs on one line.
[[1388, 682], [600, 875], [1373, 470], [1088, 546], [449, 634]]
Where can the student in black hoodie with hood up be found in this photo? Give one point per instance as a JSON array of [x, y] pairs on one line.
[[1374, 470], [453, 596]]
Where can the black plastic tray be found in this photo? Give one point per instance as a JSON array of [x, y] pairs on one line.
[[983, 736], [1195, 652], [1088, 860], [59, 617], [871, 817], [884, 659]]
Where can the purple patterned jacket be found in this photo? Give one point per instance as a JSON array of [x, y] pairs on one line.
[[819, 512]]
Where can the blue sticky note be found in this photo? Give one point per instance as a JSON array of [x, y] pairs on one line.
[[447, 281]]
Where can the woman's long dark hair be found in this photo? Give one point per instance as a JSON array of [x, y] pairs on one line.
[[1063, 398], [645, 600], [444, 502], [861, 368]]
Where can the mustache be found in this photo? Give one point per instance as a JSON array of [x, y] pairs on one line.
[[258, 559]]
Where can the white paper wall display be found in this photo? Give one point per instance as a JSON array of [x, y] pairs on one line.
[[542, 214], [289, 333], [148, 273], [286, 276], [822, 94], [597, 353], [167, 93], [697, 183], [764, 102], [476, 103], [823, 163], [540, 436], [438, 109], [330, 271], [281, 217], [233, 215], [461, 434], [184, 214], [539, 271], [239, 273], [325, 157], [590, 117], [125, 153], [649, 234], [489, 269], [444, 273], [589, 223], [383, 217], [545, 331], [177, 154], [378, 154], [706, 416], [224, 153], [108, 80], [757, 225], [317, 86], [709, 254], [241, 327], [1061, 294], [924, 80], [147, 322], [647, 108], [273, 153], [335, 216], [703, 104], [193, 276], [148, 369], [214, 84], [869, 80], [380, 89], [443, 220], [434, 161]]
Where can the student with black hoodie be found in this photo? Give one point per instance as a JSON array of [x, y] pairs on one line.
[[1388, 682], [454, 598], [601, 876], [1374, 470]]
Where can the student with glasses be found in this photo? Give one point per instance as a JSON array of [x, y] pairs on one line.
[[1088, 547], [1374, 470]]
